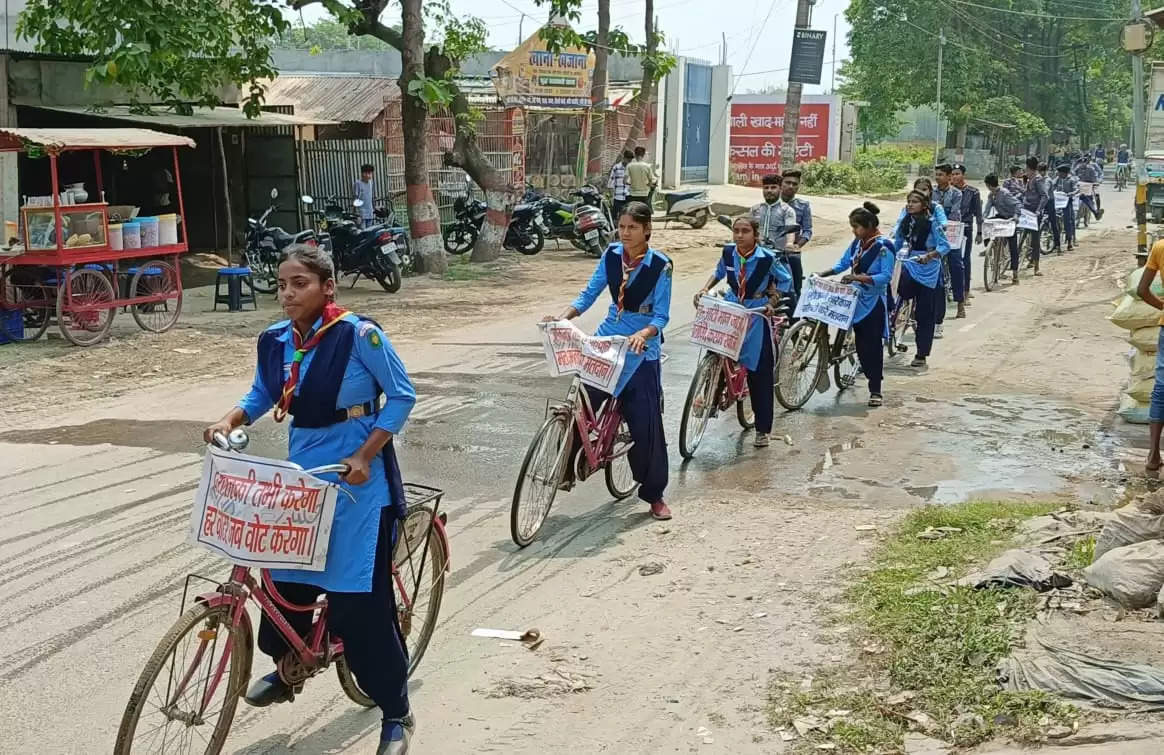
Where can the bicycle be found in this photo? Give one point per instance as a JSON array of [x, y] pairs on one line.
[[807, 344], [605, 440], [718, 383], [996, 256], [1121, 176], [901, 319], [187, 696]]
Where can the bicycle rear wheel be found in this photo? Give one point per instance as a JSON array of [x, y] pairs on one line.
[[699, 406], [166, 710], [800, 365], [620, 479], [846, 368], [538, 481]]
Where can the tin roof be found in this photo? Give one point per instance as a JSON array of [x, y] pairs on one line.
[[62, 139], [202, 117], [335, 96]]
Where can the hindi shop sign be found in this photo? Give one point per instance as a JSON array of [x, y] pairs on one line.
[[262, 512], [808, 49], [757, 128], [596, 360], [720, 326], [532, 76], [828, 302]]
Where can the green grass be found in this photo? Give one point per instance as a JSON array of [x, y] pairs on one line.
[[1081, 553], [461, 269], [942, 644]]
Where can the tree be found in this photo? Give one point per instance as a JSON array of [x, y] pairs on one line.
[[173, 54], [655, 67], [327, 34], [598, 98]]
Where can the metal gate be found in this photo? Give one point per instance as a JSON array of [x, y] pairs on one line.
[[271, 164], [696, 123]]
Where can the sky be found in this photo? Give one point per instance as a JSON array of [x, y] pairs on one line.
[[759, 32]]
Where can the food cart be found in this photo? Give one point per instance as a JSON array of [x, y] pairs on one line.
[[63, 258]]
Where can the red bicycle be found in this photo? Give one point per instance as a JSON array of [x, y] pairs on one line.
[[185, 697], [718, 383], [605, 441]]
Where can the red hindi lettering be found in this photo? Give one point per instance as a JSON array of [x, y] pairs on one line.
[[300, 497], [269, 491], [233, 487], [208, 521], [256, 536]]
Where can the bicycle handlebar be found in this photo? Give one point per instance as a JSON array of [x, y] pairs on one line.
[[237, 441]]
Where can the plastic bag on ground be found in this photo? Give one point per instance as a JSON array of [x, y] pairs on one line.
[[1132, 313], [1132, 282], [1075, 675], [1145, 339], [1142, 364], [1141, 389], [1133, 411], [1141, 520], [1017, 568], [1132, 574]]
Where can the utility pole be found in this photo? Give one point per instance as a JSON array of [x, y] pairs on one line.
[[1138, 119], [938, 109], [833, 85], [792, 98]]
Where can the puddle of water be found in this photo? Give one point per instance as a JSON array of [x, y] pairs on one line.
[[166, 436], [831, 454]]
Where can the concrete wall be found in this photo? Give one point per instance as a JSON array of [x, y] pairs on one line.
[[671, 100], [36, 82], [670, 157], [721, 124]]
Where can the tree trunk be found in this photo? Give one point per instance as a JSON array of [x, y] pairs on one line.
[[960, 141], [647, 88], [598, 96], [792, 100], [423, 215]]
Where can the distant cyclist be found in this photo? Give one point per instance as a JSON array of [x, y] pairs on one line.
[[1123, 162]]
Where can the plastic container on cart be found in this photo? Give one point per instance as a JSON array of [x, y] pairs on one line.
[[149, 232], [116, 242], [131, 235], [13, 324], [168, 229]]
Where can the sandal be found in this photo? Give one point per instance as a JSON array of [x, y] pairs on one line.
[[875, 399]]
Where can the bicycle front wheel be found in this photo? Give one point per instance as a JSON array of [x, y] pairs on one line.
[[800, 365], [989, 263], [699, 406], [847, 366], [185, 698], [537, 483], [620, 478]]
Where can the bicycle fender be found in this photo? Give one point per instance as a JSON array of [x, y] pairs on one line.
[[213, 599], [439, 525]]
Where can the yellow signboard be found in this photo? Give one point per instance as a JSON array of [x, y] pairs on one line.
[[532, 76]]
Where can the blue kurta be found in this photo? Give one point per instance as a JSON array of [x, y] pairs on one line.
[[762, 268], [653, 309], [876, 261], [373, 367], [925, 273]]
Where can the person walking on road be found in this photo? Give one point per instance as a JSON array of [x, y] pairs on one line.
[[327, 369], [1003, 205], [868, 266], [971, 214], [640, 178], [755, 276], [1034, 201], [772, 215], [789, 185], [616, 182], [926, 187], [1086, 173], [950, 198], [638, 278], [1156, 408], [925, 234], [1065, 184]]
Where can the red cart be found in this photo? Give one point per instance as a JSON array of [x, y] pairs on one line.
[[63, 264]]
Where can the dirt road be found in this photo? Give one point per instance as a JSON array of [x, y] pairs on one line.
[[99, 456]]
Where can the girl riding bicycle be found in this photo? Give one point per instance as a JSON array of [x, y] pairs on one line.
[[639, 281], [756, 277], [326, 368], [923, 230], [868, 265]]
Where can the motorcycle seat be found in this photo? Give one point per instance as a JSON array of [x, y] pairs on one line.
[[523, 207], [281, 238], [676, 196]]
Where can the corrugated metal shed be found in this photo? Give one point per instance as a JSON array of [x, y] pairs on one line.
[[202, 117], [61, 139], [334, 97]]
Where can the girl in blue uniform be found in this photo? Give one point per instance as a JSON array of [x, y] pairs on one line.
[[756, 277], [925, 233], [639, 281], [326, 369], [868, 267]]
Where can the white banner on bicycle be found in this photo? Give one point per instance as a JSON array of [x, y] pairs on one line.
[[596, 360], [998, 228], [720, 326], [1061, 200], [262, 512], [827, 301], [1086, 189], [1028, 221], [955, 233]]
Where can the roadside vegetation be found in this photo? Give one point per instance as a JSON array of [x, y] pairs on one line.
[[927, 649], [874, 170]]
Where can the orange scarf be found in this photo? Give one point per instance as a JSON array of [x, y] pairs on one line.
[[332, 313], [628, 267], [742, 273]]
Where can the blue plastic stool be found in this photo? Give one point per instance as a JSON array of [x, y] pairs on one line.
[[236, 296]]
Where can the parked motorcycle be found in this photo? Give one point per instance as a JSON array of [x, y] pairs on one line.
[[371, 251], [691, 207], [560, 218], [265, 244], [524, 234]]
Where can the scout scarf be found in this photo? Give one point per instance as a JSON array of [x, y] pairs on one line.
[[628, 267], [332, 313]]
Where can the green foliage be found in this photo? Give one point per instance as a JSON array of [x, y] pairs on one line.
[[169, 53], [558, 38], [832, 177], [328, 34], [897, 156], [432, 92]]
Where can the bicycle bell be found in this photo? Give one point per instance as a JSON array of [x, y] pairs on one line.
[[238, 439]]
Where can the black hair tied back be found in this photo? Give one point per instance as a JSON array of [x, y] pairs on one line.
[[865, 215]]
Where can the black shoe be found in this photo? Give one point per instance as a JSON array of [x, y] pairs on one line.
[[395, 735], [269, 690]]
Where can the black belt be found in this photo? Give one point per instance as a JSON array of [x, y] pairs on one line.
[[366, 409]]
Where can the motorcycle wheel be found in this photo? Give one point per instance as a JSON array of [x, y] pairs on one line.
[[460, 239], [386, 273], [578, 243], [534, 239], [700, 219], [265, 277]]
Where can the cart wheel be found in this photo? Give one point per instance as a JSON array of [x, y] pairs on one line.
[[156, 278], [22, 289], [89, 317]]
